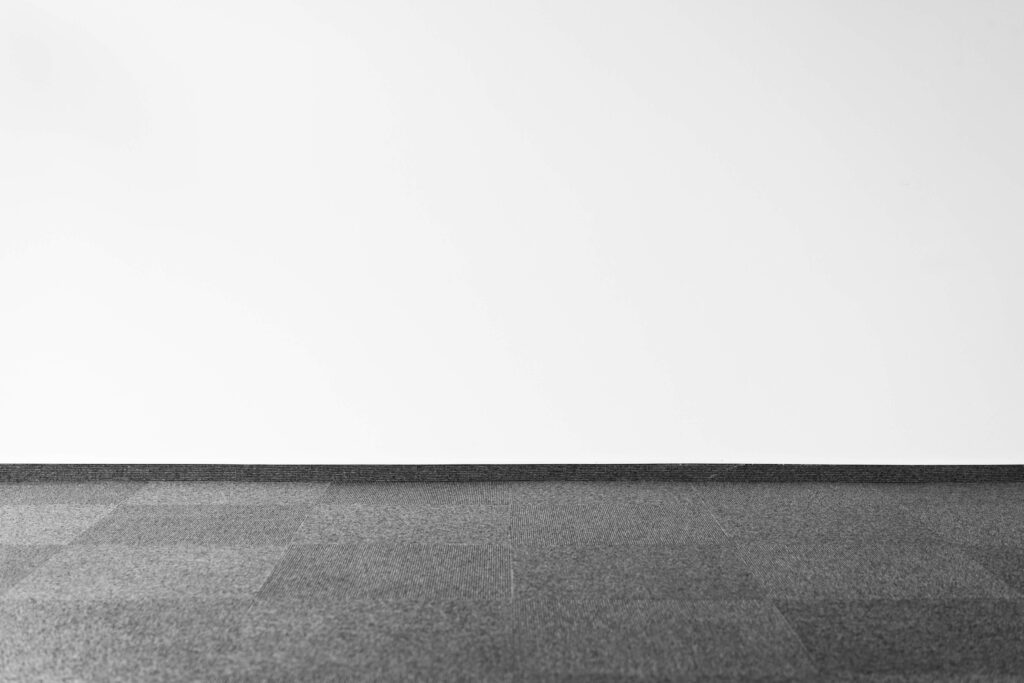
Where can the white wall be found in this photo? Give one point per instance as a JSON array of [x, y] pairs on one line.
[[364, 231]]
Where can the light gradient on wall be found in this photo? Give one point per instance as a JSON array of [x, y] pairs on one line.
[[537, 231]]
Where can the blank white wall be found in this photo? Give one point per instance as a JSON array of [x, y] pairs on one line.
[[366, 231]]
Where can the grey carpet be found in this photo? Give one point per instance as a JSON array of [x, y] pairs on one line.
[[511, 581]]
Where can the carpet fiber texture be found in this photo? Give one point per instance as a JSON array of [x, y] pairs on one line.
[[511, 581]]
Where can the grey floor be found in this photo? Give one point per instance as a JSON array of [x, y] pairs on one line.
[[559, 581]]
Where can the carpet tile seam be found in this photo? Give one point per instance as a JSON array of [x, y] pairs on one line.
[[255, 593], [811, 660], [710, 511]]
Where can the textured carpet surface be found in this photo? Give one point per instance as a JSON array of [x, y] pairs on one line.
[[511, 581]]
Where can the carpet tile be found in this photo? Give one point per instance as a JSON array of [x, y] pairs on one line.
[[679, 572], [47, 524], [120, 572], [104, 641], [18, 561], [424, 572], [419, 493], [681, 639], [980, 514], [1002, 561], [228, 493], [606, 524], [920, 637], [814, 512], [414, 524], [604, 492], [211, 525], [375, 640], [859, 570], [68, 493]]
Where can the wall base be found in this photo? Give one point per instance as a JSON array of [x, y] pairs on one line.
[[467, 473]]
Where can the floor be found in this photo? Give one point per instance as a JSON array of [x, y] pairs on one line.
[[538, 581]]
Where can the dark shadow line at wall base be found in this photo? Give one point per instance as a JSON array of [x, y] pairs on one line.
[[468, 473]]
